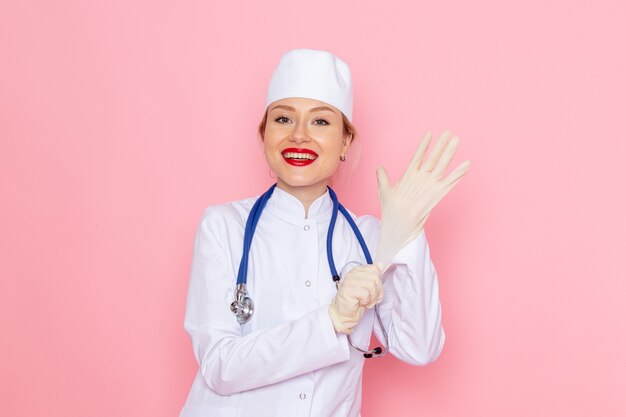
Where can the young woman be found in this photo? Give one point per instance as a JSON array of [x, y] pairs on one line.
[[283, 295]]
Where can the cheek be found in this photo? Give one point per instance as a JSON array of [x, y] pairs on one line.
[[272, 157], [269, 143], [337, 145], [272, 137]]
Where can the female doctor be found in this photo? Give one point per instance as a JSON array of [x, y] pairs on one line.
[[284, 294]]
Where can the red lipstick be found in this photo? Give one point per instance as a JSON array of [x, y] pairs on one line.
[[299, 156]]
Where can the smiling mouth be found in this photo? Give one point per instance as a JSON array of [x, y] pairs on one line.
[[298, 156]]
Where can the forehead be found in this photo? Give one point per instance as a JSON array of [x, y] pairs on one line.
[[302, 104]]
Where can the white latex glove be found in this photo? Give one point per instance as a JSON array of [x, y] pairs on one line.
[[406, 206], [360, 289]]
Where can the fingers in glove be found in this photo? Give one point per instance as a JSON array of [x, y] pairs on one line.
[[379, 286], [348, 300], [435, 153], [376, 272], [444, 188], [375, 293], [363, 284], [446, 157], [354, 315], [383, 178], [352, 293], [416, 161], [436, 198], [374, 299], [361, 294], [370, 277], [364, 295], [457, 174]]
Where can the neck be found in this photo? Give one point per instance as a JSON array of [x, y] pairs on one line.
[[307, 195]]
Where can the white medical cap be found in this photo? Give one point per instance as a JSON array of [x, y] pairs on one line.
[[310, 73]]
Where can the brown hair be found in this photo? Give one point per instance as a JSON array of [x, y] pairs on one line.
[[348, 127]]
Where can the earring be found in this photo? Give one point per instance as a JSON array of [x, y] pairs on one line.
[[343, 157]]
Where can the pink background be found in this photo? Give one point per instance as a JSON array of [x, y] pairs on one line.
[[120, 121]]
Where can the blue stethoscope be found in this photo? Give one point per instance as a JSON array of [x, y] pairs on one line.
[[243, 307]]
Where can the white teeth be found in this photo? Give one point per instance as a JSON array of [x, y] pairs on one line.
[[299, 155]]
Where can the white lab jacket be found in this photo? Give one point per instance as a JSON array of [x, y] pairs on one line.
[[288, 360]]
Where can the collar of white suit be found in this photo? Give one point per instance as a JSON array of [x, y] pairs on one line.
[[288, 207]]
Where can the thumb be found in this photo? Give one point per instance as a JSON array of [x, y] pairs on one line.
[[382, 267], [383, 178]]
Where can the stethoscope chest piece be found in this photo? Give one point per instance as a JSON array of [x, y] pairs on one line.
[[243, 306]]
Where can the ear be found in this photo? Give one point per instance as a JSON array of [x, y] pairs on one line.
[[347, 141]]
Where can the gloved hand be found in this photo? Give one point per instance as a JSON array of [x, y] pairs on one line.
[[360, 289], [406, 206]]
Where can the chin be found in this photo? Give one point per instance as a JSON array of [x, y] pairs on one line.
[[303, 183]]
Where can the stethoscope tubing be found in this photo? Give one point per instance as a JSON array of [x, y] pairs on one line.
[[251, 223], [337, 207]]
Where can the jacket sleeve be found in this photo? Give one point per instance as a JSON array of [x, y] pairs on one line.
[[410, 310], [232, 362]]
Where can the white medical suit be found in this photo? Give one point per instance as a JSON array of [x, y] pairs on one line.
[[287, 360]]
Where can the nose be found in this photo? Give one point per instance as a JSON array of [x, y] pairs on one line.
[[299, 133]]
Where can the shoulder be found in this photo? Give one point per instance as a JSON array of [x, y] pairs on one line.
[[368, 221], [219, 218]]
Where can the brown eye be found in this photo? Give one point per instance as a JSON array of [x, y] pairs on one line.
[[281, 119], [324, 122]]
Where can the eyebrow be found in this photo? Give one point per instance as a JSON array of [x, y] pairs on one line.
[[281, 106]]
